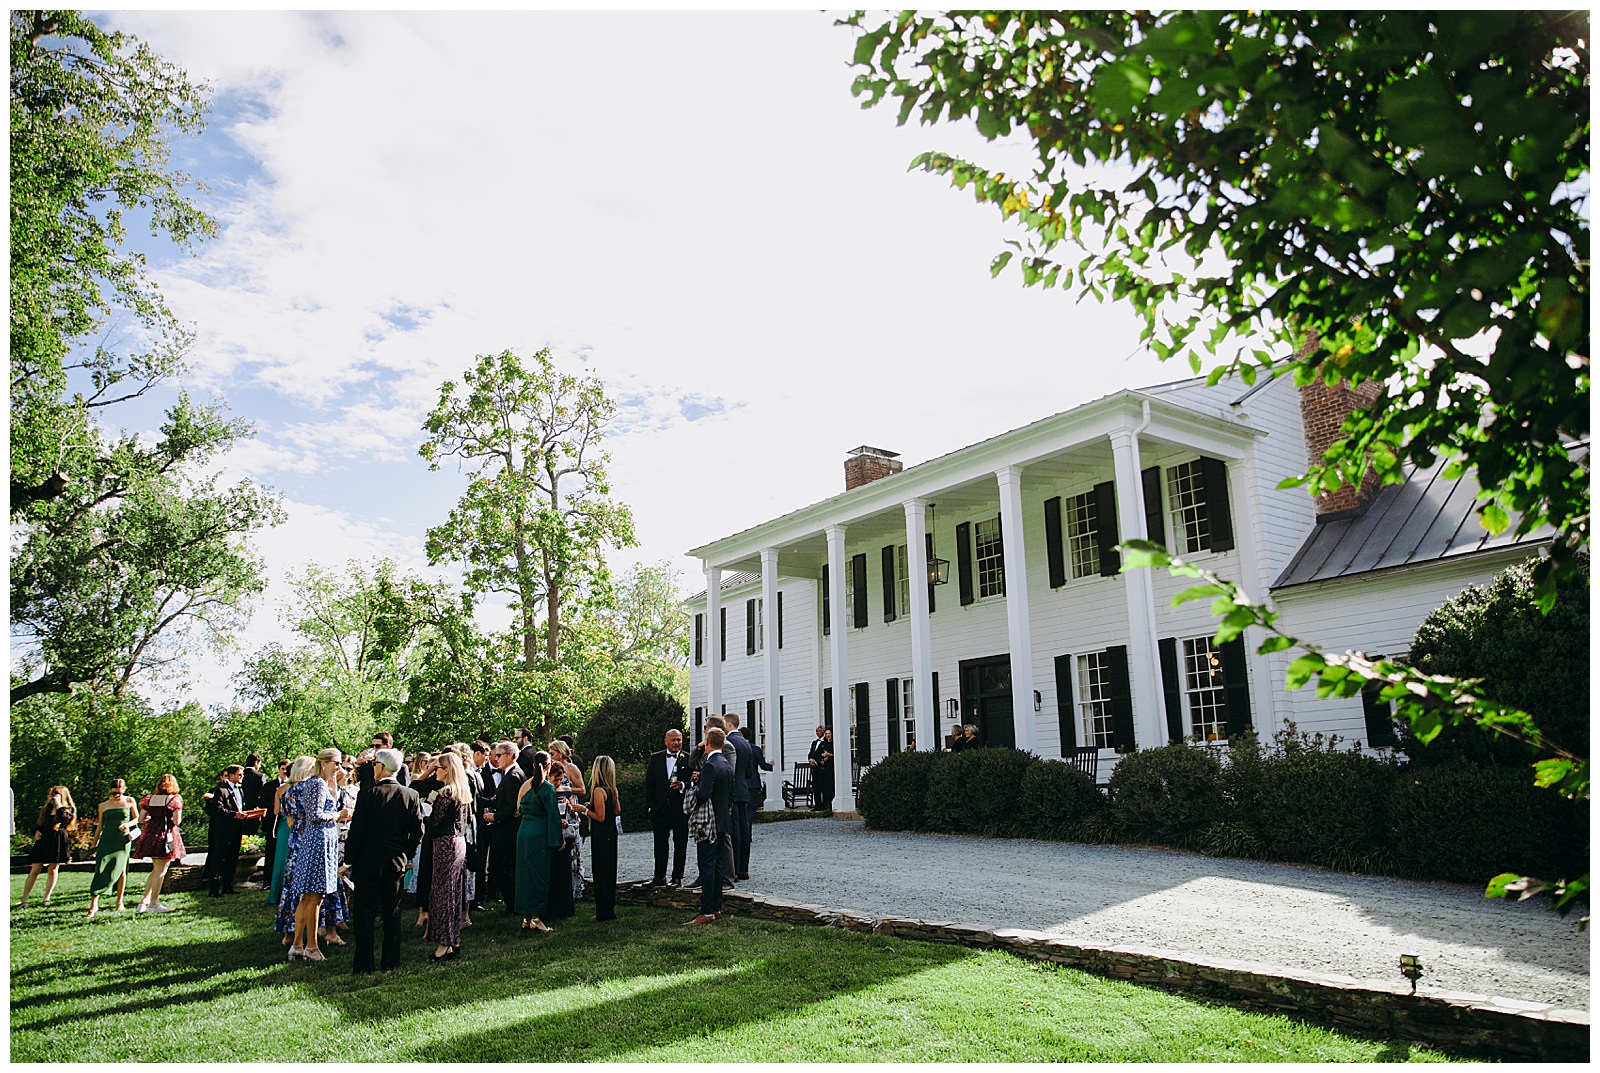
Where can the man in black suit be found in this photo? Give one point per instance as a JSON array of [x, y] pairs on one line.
[[488, 783], [714, 787], [526, 750], [501, 816], [663, 794], [269, 822], [814, 758], [385, 827], [822, 771], [744, 808], [250, 787], [225, 815]]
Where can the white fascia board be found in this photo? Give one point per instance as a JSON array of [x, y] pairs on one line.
[[1209, 432]]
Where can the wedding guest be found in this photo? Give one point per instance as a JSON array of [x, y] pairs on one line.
[[313, 873], [269, 824], [565, 881], [336, 913], [568, 788], [605, 824], [161, 839], [388, 820], [425, 781], [447, 823], [298, 770], [52, 841], [113, 846], [538, 833]]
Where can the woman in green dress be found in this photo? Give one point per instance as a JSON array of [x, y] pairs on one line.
[[538, 833], [114, 847]]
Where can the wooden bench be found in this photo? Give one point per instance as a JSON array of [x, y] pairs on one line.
[[798, 787]]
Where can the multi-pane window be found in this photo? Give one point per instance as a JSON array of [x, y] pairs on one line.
[[902, 575], [908, 722], [1083, 534], [1186, 497], [761, 624], [1094, 704], [990, 556], [1203, 688], [849, 595], [759, 731], [851, 693]]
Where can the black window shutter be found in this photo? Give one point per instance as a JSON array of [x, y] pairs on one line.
[[1121, 698], [699, 724], [699, 643], [1236, 686], [892, 692], [1170, 689], [964, 561], [722, 634], [1064, 715], [927, 539], [780, 618], [889, 587], [1106, 533], [1219, 512], [938, 739], [858, 575], [1380, 716], [780, 719], [750, 719], [825, 601], [863, 723], [749, 627], [827, 706], [1053, 552], [1154, 531]]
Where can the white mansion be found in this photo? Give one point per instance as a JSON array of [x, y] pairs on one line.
[[982, 586]]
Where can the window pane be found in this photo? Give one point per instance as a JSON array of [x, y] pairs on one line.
[[908, 716], [991, 558], [1202, 681], [1094, 687], [1186, 492], [1082, 528], [902, 566]]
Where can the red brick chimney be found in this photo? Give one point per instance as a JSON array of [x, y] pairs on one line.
[[867, 464], [1323, 410]]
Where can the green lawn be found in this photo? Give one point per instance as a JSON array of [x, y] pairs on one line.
[[210, 983]]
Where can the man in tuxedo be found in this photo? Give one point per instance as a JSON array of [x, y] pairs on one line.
[[250, 787], [526, 750], [365, 775], [488, 783], [385, 827], [663, 794], [822, 780], [814, 759], [713, 787], [501, 816], [225, 814]]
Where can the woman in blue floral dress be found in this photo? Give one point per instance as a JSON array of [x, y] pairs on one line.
[[314, 867]]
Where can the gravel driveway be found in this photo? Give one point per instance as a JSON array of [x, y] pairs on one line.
[[1284, 915]]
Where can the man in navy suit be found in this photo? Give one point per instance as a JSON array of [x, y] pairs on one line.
[[385, 827], [748, 791], [713, 787]]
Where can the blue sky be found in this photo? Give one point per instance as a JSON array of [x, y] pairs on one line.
[[691, 207]]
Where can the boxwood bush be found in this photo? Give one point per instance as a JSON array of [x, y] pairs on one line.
[[1169, 795], [1057, 799], [952, 783], [893, 795], [1320, 804]]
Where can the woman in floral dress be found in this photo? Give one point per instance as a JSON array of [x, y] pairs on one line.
[[303, 768], [314, 870]]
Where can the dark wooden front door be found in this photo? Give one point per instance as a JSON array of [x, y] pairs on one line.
[[986, 699]]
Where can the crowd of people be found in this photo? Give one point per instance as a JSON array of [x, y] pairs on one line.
[[459, 830]]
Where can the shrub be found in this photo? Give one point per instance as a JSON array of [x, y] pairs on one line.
[[1318, 804], [1167, 795], [1532, 661], [1469, 822], [629, 724], [630, 791], [975, 792], [893, 795], [996, 797], [1057, 798]]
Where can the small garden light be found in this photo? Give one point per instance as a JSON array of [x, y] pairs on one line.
[[1411, 969]]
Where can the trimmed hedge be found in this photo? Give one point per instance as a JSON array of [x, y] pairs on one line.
[[1303, 798]]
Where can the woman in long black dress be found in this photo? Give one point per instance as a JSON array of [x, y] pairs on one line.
[[52, 841], [605, 823]]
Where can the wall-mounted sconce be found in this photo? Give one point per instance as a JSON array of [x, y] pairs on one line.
[[1411, 969], [954, 707], [1038, 701]]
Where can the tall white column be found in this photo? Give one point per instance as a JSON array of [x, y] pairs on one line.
[[769, 630], [1149, 717], [921, 633], [1017, 622], [714, 637], [844, 798]]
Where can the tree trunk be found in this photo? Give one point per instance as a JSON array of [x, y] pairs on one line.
[[54, 682]]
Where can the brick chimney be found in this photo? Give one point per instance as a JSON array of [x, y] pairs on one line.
[[867, 464], [1323, 410]]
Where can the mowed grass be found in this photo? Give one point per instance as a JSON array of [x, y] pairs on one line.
[[211, 982]]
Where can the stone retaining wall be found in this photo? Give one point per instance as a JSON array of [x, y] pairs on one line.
[[1457, 1022]]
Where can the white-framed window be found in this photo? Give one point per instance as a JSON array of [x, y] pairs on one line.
[[1083, 531], [851, 693], [849, 595], [990, 556], [908, 716], [1094, 700], [902, 577], [759, 731], [1203, 691], [761, 624], [1186, 501]]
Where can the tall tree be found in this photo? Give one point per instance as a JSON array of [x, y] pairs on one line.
[[537, 514], [1407, 189]]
